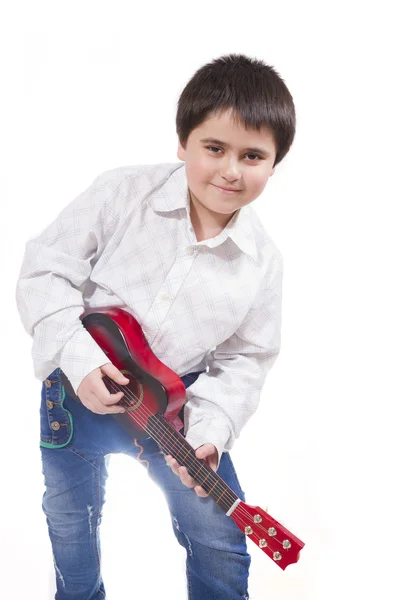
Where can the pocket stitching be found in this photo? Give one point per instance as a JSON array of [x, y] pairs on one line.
[[71, 423]]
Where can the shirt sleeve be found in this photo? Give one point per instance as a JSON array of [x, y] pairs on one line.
[[222, 399], [55, 268]]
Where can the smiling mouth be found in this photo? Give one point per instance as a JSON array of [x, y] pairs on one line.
[[226, 189]]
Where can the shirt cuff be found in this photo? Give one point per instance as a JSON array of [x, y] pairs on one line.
[[80, 356], [208, 431]]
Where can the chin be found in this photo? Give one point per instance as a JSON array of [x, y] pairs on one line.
[[225, 211]]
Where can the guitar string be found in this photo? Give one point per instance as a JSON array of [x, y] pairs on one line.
[[240, 510]]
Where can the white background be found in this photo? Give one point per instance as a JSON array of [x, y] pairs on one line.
[[89, 86]]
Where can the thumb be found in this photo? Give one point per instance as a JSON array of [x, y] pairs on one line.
[[205, 450], [200, 452], [115, 374], [209, 453]]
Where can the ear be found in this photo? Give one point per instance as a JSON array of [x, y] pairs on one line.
[[181, 151]]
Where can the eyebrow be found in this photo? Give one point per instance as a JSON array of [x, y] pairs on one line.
[[215, 141]]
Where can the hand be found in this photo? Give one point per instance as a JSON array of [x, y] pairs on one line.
[[209, 453], [93, 393]]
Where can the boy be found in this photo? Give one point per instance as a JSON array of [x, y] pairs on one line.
[[178, 247]]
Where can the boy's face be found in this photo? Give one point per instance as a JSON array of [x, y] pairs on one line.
[[229, 161]]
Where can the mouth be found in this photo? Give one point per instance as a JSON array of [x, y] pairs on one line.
[[226, 190]]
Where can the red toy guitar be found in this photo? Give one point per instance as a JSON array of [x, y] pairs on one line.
[[152, 399]]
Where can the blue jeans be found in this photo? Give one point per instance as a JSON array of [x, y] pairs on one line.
[[75, 444]]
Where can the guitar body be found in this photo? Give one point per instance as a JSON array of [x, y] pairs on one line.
[[152, 400], [152, 385]]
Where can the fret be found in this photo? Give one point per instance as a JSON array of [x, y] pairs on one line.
[[204, 480], [175, 441], [213, 486], [163, 435], [184, 457], [221, 495], [195, 475]]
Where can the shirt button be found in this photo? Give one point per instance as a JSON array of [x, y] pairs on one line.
[[164, 297], [190, 250], [55, 425], [49, 404]]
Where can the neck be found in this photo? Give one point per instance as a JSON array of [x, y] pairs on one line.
[[172, 442], [207, 224]]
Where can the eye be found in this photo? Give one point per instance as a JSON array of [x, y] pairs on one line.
[[216, 150], [256, 155], [213, 148]]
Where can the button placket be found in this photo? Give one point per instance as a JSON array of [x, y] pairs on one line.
[[56, 414], [166, 295], [49, 382]]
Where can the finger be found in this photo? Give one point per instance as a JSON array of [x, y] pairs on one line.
[[191, 483], [113, 410], [105, 397], [111, 398], [93, 404], [209, 454], [200, 491], [86, 401], [115, 374], [173, 466], [103, 409], [186, 478]]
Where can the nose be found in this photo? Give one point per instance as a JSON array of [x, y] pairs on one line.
[[230, 170]]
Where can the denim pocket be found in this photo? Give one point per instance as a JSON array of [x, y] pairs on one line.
[[56, 425]]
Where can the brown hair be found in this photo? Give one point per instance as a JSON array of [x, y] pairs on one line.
[[255, 91]]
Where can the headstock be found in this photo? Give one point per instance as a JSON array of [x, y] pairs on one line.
[[273, 538]]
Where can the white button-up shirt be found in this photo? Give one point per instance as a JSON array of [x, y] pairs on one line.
[[215, 305]]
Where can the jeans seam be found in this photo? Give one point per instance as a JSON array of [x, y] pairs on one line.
[[189, 582], [82, 457], [234, 473], [96, 522]]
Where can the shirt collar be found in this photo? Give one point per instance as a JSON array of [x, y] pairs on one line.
[[173, 195]]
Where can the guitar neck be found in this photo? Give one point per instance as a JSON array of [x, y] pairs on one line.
[[173, 443]]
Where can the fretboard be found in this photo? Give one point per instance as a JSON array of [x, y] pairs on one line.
[[171, 442]]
